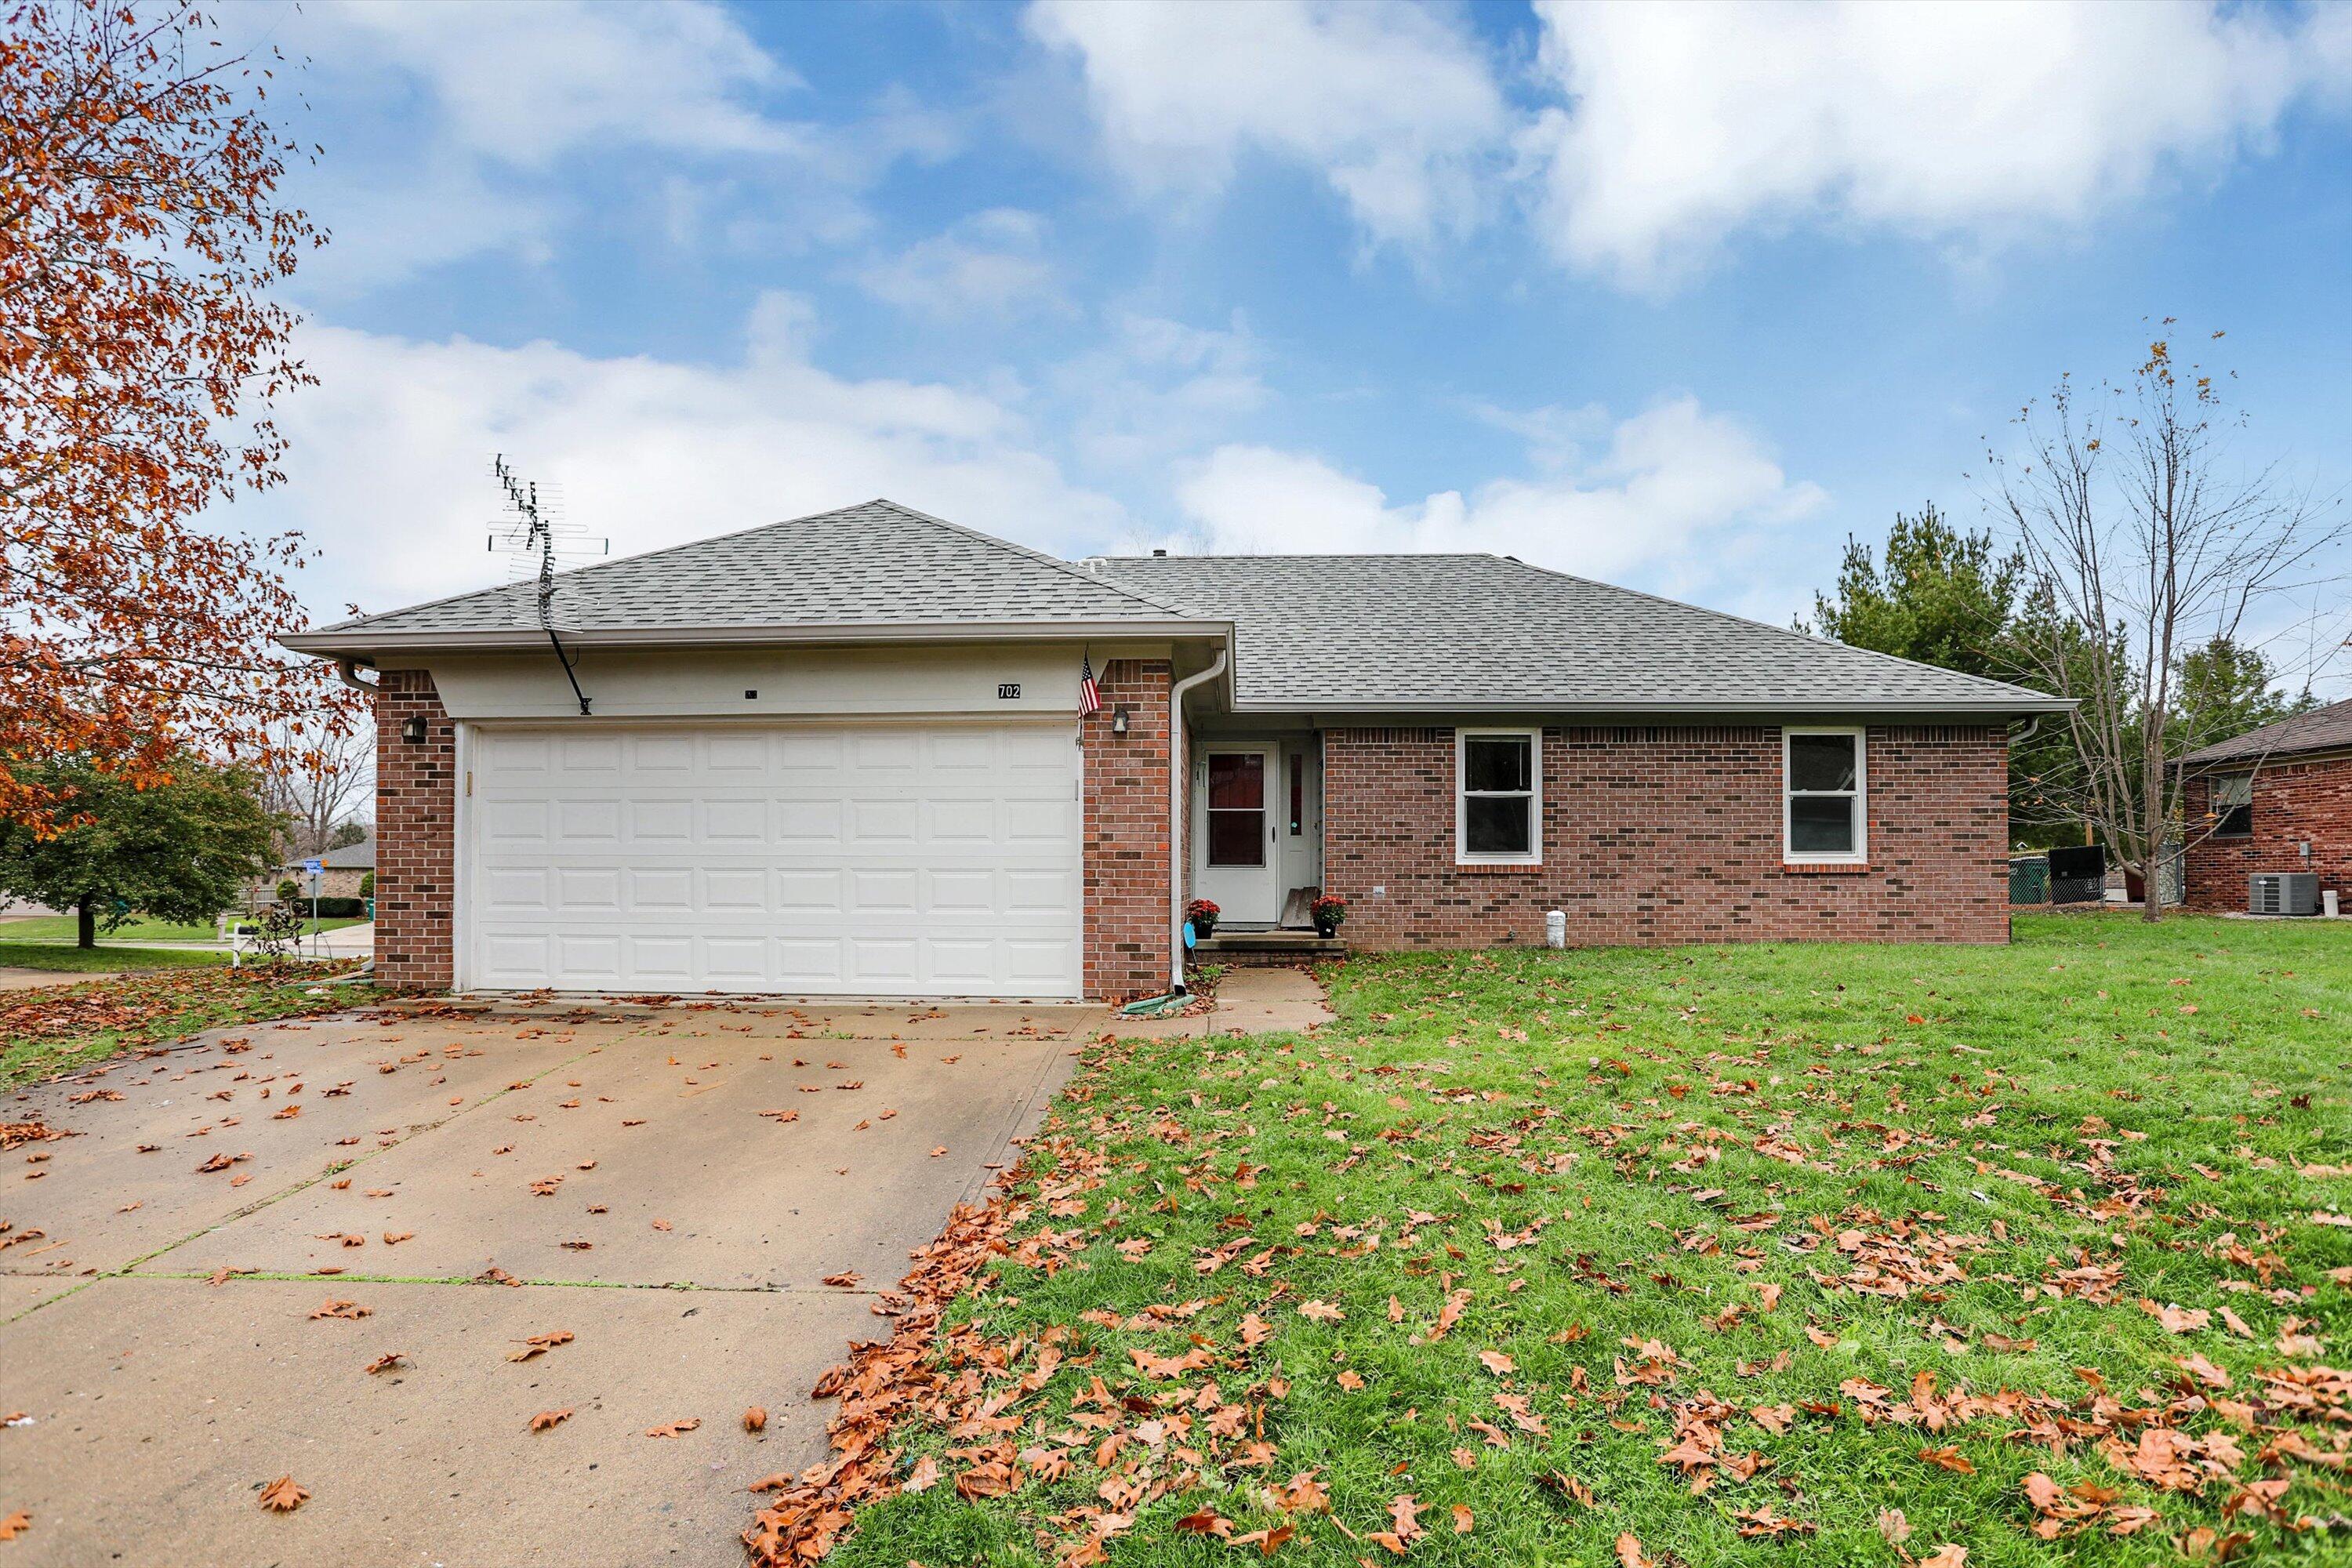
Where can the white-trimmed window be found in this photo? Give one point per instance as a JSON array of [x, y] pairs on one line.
[[2234, 806], [1499, 797], [1824, 806]]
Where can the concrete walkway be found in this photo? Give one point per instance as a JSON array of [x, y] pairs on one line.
[[13, 979], [1250, 1001], [670, 1186]]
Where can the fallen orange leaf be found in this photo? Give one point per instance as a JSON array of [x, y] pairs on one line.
[[284, 1495]]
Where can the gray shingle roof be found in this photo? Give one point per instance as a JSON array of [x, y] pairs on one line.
[[877, 565], [1470, 631], [2320, 730]]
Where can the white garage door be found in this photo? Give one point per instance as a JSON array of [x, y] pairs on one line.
[[938, 860]]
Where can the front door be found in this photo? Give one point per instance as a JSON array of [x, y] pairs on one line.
[[1236, 860]]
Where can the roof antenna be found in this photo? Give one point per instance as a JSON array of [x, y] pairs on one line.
[[532, 529]]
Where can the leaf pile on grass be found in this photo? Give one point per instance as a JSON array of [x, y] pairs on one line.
[[1886, 1255], [56, 1028]]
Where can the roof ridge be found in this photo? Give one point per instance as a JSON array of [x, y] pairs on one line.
[[1038, 556], [577, 573], [1806, 637]]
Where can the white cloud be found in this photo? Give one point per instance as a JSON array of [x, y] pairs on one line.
[[1673, 482], [989, 264], [388, 471], [1683, 124], [1159, 387], [1388, 103], [523, 84], [459, 128]]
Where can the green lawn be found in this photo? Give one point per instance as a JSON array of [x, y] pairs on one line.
[[1737, 1253], [61, 928], [56, 1030], [64, 955]]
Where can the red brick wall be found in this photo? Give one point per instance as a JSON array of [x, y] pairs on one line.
[[415, 832], [1664, 834], [2293, 802], [1127, 914]]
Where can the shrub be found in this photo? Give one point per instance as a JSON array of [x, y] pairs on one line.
[[329, 908], [367, 884], [288, 890]]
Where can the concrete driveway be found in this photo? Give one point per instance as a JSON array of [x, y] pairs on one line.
[[671, 1186]]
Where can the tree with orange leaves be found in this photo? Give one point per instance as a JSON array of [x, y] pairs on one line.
[[139, 351]]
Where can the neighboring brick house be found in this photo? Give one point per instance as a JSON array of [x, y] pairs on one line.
[[342, 873], [2275, 799], [848, 754]]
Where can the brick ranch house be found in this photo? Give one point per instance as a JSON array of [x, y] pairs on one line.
[[846, 754], [2275, 799]]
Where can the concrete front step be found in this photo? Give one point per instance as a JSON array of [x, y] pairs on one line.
[[1248, 947]]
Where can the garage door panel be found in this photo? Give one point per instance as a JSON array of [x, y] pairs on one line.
[[811, 892], [660, 753], [580, 822], [1038, 961], [668, 823], [734, 891], [884, 859], [809, 824], [966, 964], [886, 751], [968, 822], [964, 894], [743, 752], [580, 954], [667, 961], [889, 894], [809, 963], [1040, 822], [734, 964], [519, 822], [591, 754], [584, 890], [883, 824], [660, 889], [735, 822], [517, 889], [882, 963]]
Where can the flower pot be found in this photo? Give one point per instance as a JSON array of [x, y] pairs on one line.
[[1326, 930], [1205, 928]]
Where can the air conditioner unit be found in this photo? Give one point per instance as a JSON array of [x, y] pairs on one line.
[[2283, 893]]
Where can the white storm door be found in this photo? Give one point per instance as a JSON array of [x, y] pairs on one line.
[[1236, 860], [845, 859]]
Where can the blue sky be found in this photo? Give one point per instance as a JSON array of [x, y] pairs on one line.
[[1674, 297]]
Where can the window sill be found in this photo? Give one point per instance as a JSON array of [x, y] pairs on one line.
[[1503, 866], [1827, 868]]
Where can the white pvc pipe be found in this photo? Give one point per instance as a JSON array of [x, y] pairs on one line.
[[1178, 762]]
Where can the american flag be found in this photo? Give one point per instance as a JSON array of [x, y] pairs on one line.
[[1089, 698]]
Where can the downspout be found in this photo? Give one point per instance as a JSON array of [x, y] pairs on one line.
[[347, 670], [1177, 766]]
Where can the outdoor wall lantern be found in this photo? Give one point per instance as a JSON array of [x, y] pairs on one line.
[[1118, 719], [412, 730]]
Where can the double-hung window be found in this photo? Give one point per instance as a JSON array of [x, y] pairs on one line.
[[1499, 797], [1825, 810], [2234, 806]]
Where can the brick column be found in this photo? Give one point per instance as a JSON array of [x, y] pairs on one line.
[[416, 833], [1126, 833]]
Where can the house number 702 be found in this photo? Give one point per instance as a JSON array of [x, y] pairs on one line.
[[1008, 689]]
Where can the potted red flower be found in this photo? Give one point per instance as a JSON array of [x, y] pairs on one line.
[[1326, 912], [1202, 915]]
